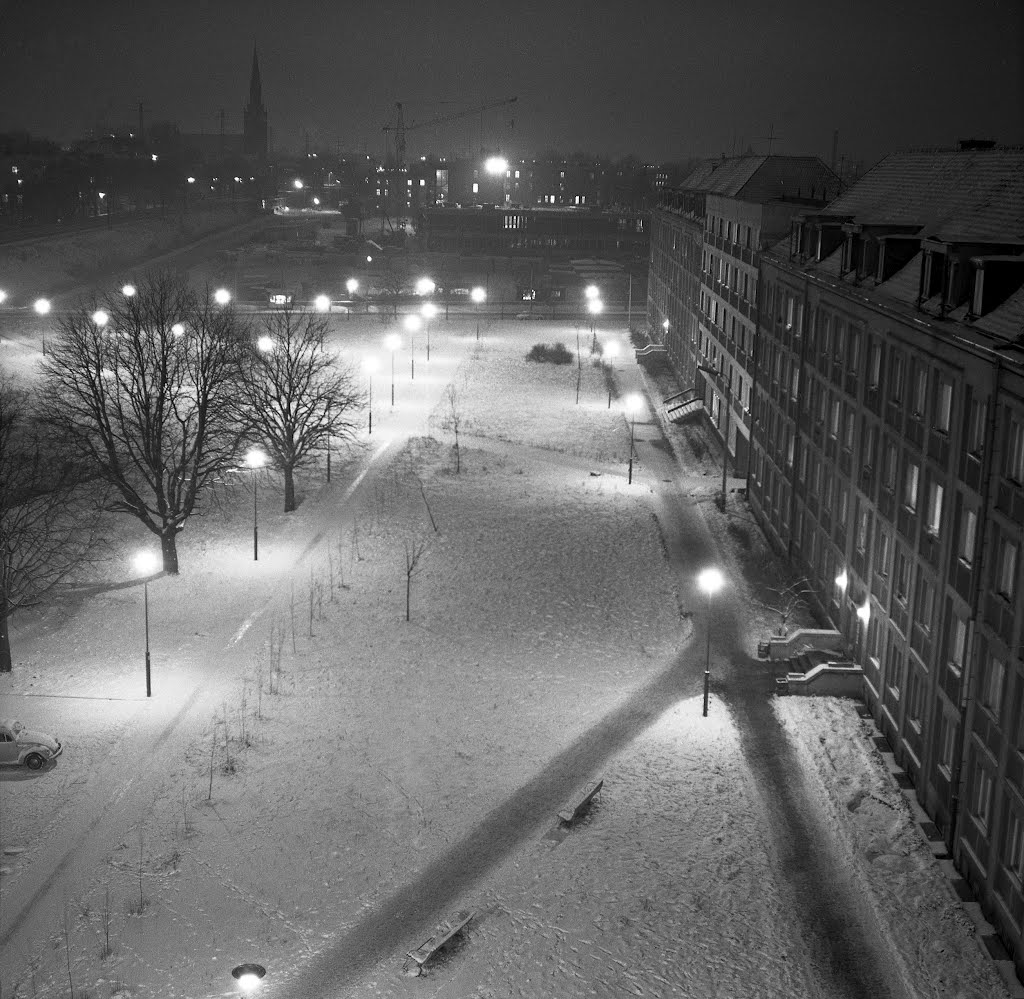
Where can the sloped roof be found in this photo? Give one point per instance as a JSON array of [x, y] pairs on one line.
[[971, 196], [762, 178]]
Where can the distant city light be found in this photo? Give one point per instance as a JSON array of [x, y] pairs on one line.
[[496, 165]]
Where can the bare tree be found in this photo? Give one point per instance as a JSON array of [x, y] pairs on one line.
[[298, 396], [145, 393], [453, 420], [49, 520], [414, 551]]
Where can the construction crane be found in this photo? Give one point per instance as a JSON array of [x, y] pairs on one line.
[[400, 128]]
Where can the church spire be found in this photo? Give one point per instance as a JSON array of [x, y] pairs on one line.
[[255, 85], [255, 131]]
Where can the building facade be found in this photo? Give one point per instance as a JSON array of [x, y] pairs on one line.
[[888, 464], [706, 239]]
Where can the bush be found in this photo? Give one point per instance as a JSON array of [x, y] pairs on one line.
[[549, 353]]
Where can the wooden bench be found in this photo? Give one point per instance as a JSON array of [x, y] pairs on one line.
[[445, 932], [581, 802]]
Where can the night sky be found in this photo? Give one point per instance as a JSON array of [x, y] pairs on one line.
[[663, 80]]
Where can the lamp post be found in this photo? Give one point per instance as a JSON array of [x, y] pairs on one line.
[[329, 429], [864, 615], [725, 431], [322, 303], [412, 324], [370, 366], [610, 350], [222, 296], [41, 306], [146, 563], [633, 403], [392, 341], [351, 286], [478, 296], [249, 975], [429, 310], [710, 581], [255, 460], [595, 307]]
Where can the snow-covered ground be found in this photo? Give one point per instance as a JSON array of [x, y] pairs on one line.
[[314, 753]]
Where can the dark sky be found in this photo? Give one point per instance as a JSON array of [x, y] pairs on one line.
[[663, 80]]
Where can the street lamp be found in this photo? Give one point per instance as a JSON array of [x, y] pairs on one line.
[[255, 460], [591, 291], [265, 344], [710, 581], [393, 342], [633, 403], [249, 976], [146, 563], [100, 317], [412, 324], [429, 310], [322, 303], [42, 306], [370, 366], [178, 330], [594, 306], [128, 290], [478, 296], [842, 581], [3, 296], [351, 286], [424, 286], [610, 350], [222, 296]]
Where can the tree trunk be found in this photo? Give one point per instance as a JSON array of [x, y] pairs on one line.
[[169, 550], [5, 636], [289, 489]]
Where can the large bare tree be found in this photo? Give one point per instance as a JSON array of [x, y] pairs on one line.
[[49, 517], [144, 389], [299, 397]]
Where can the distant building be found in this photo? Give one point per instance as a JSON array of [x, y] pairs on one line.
[[706, 238], [888, 463]]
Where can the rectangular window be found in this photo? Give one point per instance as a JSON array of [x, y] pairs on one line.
[[981, 798], [943, 413], [901, 581], [957, 646], [833, 427], [1013, 846], [920, 396], [853, 359], [874, 365], [848, 430], [976, 427], [915, 697], [889, 467], [842, 506], [947, 745], [924, 602], [868, 443], [1013, 463], [882, 552], [896, 373], [911, 478], [895, 671], [933, 522], [1007, 582], [968, 536], [863, 528], [993, 683]]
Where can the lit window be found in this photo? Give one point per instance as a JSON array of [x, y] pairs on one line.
[[968, 535], [933, 523], [1007, 584], [981, 799], [910, 482], [947, 745], [874, 365], [1013, 464], [920, 389], [976, 428], [943, 406], [1013, 847], [957, 645]]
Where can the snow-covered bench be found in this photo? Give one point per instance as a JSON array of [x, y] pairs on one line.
[[441, 938], [581, 802]]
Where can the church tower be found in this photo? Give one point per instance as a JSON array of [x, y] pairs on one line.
[[254, 137]]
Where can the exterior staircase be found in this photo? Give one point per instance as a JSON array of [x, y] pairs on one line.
[[681, 405]]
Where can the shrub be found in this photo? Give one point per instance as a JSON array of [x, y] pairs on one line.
[[549, 353]]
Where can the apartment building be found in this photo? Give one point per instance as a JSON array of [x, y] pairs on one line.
[[706, 239], [888, 463]]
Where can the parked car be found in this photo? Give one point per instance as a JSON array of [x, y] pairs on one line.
[[18, 745]]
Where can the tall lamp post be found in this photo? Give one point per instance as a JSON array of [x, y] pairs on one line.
[[412, 324], [478, 296], [392, 341], [428, 310], [255, 460], [146, 563], [725, 431], [351, 286], [595, 307], [710, 582], [633, 403], [370, 366], [610, 350]]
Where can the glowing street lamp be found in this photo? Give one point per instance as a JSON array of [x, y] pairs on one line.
[[393, 342], [3, 296], [351, 286], [297, 184], [178, 330], [370, 366], [322, 303], [496, 165], [424, 286], [429, 310], [265, 344], [255, 460], [42, 306], [249, 976], [591, 291], [128, 290], [146, 564], [710, 582], [478, 296], [595, 307], [633, 404], [412, 324], [222, 296], [100, 318]]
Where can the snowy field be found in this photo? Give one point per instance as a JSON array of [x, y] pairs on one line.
[[324, 753]]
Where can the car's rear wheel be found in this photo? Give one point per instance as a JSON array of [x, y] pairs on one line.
[[34, 761]]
